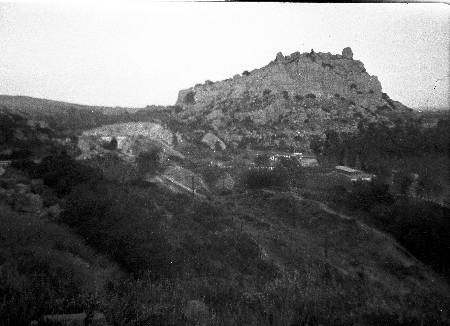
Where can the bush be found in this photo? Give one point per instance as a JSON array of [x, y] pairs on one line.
[[60, 172], [114, 221], [149, 161], [295, 172], [246, 73], [265, 178], [112, 145], [311, 96], [365, 195], [39, 272], [267, 92], [298, 97]]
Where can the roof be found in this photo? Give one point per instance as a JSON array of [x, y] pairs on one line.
[[347, 169]]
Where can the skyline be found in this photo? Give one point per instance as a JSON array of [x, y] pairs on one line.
[[141, 54]]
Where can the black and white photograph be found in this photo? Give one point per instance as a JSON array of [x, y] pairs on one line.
[[172, 163]]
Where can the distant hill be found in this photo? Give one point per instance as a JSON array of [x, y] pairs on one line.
[[62, 115], [30, 105]]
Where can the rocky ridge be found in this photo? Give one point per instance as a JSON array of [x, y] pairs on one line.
[[289, 100]]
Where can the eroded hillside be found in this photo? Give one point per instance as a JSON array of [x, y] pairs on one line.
[[291, 99]]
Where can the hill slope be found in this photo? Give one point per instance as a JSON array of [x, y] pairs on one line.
[[289, 100]]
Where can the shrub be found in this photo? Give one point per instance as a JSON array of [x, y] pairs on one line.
[[298, 97], [149, 161], [265, 178], [60, 172], [285, 95], [246, 73], [295, 172], [112, 145], [114, 221], [311, 96], [262, 160]]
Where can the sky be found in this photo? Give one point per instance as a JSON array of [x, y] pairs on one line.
[[138, 53]]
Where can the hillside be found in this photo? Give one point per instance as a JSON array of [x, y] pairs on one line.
[[70, 116], [288, 101], [32, 105]]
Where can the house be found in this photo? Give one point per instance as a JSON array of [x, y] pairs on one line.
[[309, 160], [306, 160], [353, 174], [121, 140], [276, 156]]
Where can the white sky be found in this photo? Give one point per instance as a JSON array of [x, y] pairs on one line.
[[138, 53]]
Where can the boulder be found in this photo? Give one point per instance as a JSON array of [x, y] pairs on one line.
[[213, 141], [280, 56], [347, 53], [225, 182], [28, 202], [54, 212]]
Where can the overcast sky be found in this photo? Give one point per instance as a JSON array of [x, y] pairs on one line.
[[134, 54]]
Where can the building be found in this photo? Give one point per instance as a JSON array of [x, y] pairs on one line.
[[353, 174], [275, 157], [309, 160]]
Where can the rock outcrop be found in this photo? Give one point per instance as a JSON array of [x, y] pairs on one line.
[[213, 142], [290, 99]]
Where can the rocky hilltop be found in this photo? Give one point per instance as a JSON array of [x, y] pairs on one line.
[[289, 100]]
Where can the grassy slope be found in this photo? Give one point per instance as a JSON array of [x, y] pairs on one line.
[[288, 251], [43, 267]]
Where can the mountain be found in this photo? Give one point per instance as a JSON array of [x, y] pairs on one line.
[[291, 99]]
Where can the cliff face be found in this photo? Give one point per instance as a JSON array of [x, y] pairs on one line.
[[296, 95]]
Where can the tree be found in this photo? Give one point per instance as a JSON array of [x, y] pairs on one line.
[[149, 161], [112, 145], [296, 175], [262, 160]]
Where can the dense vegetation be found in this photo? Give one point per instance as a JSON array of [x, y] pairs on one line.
[[144, 255], [405, 148], [420, 226]]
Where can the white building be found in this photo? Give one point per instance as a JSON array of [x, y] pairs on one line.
[[353, 174]]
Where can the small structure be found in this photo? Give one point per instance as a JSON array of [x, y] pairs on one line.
[[277, 156], [305, 160], [353, 174], [309, 161], [121, 142]]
